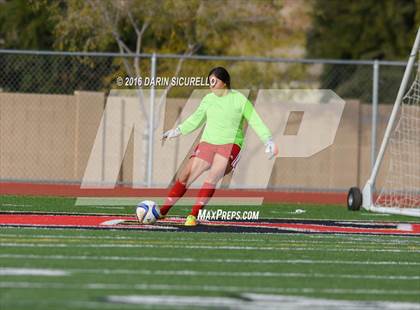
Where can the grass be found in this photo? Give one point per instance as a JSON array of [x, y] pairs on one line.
[[99, 263]]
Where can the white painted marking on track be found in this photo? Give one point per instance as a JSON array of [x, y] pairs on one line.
[[208, 247], [405, 227], [112, 222], [32, 272], [366, 223], [258, 301], [204, 260]]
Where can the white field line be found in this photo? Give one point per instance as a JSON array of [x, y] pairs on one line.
[[185, 201], [209, 288], [375, 214], [139, 238], [300, 302], [192, 273], [367, 238], [32, 272], [205, 260], [249, 301], [116, 208], [285, 234], [70, 304], [257, 301], [207, 247], [336, 236], [16, 271], [181, 301], [14, 205]]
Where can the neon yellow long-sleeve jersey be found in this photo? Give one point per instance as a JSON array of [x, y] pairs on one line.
[[224, 119]]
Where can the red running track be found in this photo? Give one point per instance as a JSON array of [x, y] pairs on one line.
[[65, 190]]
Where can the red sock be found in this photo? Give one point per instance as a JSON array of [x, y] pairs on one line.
[[203, 197], [177, 191]]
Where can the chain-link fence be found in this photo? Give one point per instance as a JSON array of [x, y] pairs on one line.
[[52, 103], [64, 73]]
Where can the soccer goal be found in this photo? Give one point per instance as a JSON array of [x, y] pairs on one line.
[[400, 193]]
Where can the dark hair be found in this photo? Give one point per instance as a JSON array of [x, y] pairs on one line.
[[222, 74]]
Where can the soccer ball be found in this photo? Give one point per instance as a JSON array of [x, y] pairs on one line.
[[147, 212]]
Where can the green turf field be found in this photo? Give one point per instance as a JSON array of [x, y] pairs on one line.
[[88, 266]]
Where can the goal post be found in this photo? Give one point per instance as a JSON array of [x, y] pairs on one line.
[[400, 193]]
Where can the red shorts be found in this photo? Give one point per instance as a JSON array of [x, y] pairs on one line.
[[206, 151]]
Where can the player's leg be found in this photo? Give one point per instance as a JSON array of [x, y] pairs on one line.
[[224, 161], [215, 174], [194, 168]]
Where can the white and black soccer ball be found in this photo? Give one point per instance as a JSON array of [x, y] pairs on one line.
[[147, 212]]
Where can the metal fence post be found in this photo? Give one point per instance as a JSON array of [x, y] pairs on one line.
[[151, 121], [375, 90]]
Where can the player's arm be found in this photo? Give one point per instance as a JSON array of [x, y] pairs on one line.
[[256, 123], [193, 122]]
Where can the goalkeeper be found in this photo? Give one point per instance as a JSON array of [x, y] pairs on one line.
[[223, 112]]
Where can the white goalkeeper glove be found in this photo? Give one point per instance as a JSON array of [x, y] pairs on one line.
[[172, 133], [271, 149]]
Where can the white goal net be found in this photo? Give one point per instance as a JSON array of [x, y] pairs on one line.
[[401, 190]]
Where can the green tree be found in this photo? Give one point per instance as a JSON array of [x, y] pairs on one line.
[[221, 27], [161, 26], [367, 29], [30, 25], [25, 25]]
